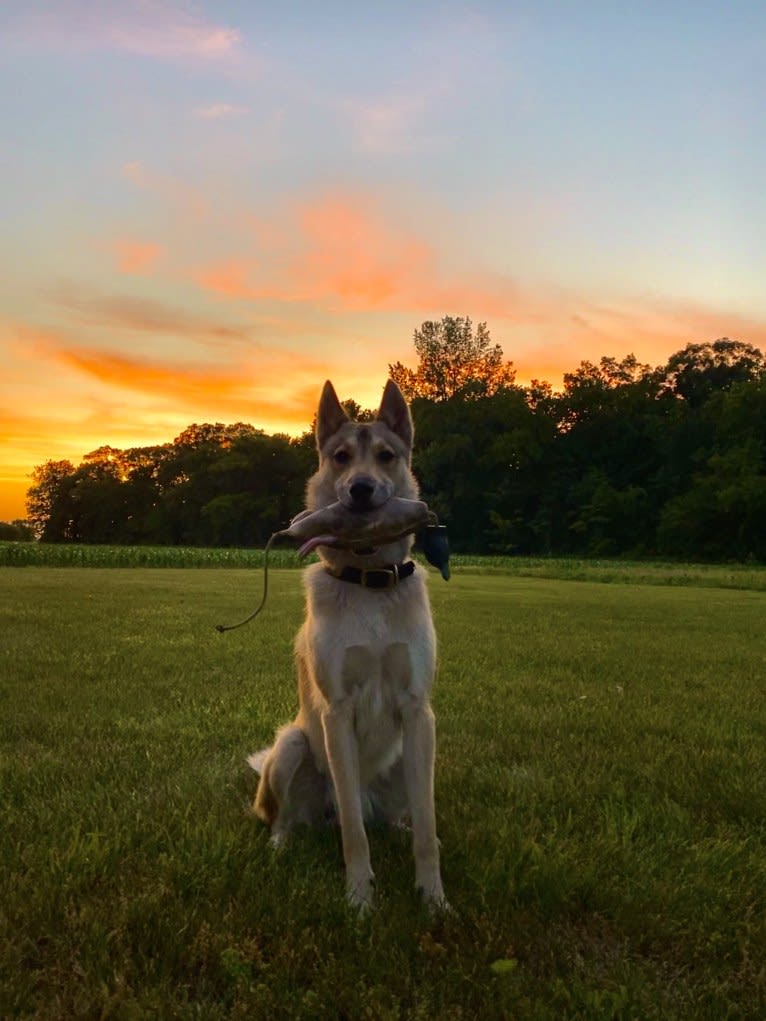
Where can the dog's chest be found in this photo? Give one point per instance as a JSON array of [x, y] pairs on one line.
[[373, 684], [374, 705], [370, 647], [374, 679]]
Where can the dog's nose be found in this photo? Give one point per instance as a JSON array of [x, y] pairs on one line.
[[361, 490]]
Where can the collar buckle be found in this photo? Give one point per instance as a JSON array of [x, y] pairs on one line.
[[392, 576]]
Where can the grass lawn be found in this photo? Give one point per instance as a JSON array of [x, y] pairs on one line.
[[601, 795]]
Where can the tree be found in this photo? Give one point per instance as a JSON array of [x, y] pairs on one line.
[[259, 486], [215, 434], [220, 484], [47, 500], [453, 362], [98, 510], [717, 508], [356, 412], [609, 519], [593, 390], [16, 531], [701, 369], [478, 463]]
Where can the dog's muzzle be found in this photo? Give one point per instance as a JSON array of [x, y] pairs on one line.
[[362, 493]]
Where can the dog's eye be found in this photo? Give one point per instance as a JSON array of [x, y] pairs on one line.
[[386, 456], [341, 456]]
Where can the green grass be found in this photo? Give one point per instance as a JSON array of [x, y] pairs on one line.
[[601, 795]]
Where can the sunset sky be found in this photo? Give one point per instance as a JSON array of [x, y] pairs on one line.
[[209, 208]]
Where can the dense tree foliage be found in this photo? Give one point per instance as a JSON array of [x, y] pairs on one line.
[[626, 459], [214, 485], [16, 531]]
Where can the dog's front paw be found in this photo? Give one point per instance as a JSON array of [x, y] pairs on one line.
[[360, 892], [434, 899], [278, 840]]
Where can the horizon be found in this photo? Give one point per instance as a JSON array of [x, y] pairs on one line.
[[215, 207]]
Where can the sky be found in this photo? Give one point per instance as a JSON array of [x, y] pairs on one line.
[[209, 208]]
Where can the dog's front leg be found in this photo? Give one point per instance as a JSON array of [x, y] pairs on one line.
[[343, 757], [419, 746]]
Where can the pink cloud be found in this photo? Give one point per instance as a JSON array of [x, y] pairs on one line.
[[220, 111], [138, 314], [184, 198], [163, 30], [394, 124]]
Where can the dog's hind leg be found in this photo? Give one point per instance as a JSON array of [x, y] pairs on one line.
[[291, 789]]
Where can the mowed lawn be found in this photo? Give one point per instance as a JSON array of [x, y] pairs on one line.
[[601, 796]]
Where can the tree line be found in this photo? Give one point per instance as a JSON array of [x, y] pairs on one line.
[[626, 459]]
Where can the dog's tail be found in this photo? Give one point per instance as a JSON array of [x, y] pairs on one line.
[[257, 759], [265, 805], [279, 766]]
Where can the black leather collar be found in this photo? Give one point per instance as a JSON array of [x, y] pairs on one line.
[[375, 577]]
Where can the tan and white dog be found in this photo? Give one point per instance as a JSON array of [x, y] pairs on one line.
[[362, 745]]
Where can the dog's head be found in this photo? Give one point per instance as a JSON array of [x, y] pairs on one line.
[[362, 464]]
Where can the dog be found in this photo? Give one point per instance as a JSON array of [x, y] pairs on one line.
[[362, 746]]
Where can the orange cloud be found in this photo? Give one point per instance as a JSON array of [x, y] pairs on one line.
[[151, 377], [343, 253], [355, 257], [231, 279], [279, 389], [332, 250], [136, 256]]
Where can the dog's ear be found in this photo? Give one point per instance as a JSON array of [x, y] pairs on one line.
[[330, 416], [394, 413]]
